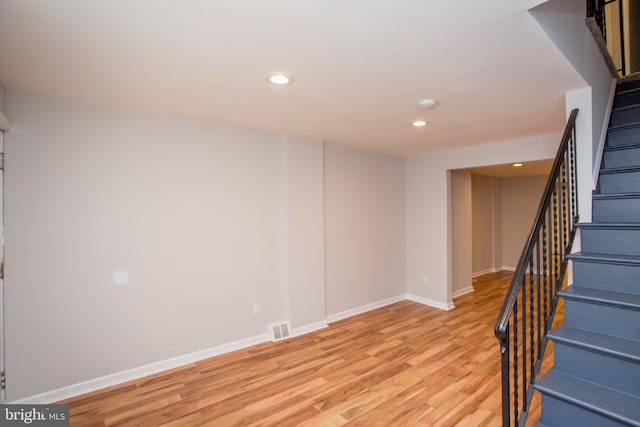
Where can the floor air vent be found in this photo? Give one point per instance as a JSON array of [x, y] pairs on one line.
[[280, 331]]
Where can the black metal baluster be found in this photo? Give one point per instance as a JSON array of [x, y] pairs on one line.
[[532, 325], [516, 405], [574, 174], [506, 392], [540, 296], [565, 205], [621, 19], [524, 343], [555, 240], [545, 267]]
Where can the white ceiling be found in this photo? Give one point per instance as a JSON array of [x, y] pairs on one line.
[[539, 167], [361, 66]]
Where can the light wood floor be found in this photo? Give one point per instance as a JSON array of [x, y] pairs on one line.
[[401, 365]]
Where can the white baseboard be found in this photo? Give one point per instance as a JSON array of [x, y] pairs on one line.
[[175, 362], [142, 371], [464, 291], [306, 329], [507, 268], [431, 303], [364, 308], [483, 272]]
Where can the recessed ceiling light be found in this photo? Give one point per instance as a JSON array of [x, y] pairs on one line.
[[280, 79], [517, 165], [419, 123]]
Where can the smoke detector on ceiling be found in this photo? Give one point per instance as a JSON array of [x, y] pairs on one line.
[[427, 104]]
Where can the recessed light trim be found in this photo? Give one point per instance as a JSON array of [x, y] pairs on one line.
[[419, 123], [517, 165], [280, 79]]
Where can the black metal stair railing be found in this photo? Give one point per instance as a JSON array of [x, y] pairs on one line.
[[529, 306], [598, 10]]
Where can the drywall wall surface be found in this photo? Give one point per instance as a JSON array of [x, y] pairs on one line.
[[192, 212], [586, 174], [3, 99], [483, 205], [428, 237], [520, 201], [304, 227], [364, 226], [497, 224], [564, 23], [4, 122], [461, 223]]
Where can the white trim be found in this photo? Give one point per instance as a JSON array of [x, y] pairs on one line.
[[3, 392], [5, 124], [175, 362], [286, 286], [507, 268], [431, 303], [493, 221], [142, 371], [306, 329], [603, 136], [483, 272], [464, 291], [364, 308]]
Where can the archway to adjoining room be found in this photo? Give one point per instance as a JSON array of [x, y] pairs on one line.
[[491, 212]]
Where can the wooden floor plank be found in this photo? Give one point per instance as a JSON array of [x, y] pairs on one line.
[[405, 364]]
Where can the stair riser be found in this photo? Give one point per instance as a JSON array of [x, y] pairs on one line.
[[617, 137], [620, 374], [621, 182], [625, 116], [607, 241], [625, 99], [602, 370], [556, 412], [621, 158], [604, 319], [616, 210], [608, 277], [627, 85]]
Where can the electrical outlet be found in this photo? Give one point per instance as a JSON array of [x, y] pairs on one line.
[[256, 308], [425, 280]]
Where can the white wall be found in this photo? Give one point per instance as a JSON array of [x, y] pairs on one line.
[[3, 99], [503, 214], [207, 220], [4, 122], [461, 223], [485, 204], [498, 262], [365, 228], [428, 226], [520, 201], [194, 212], [564, 23], [304, 228]]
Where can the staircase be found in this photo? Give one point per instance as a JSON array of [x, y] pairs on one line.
[[595, 380]]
